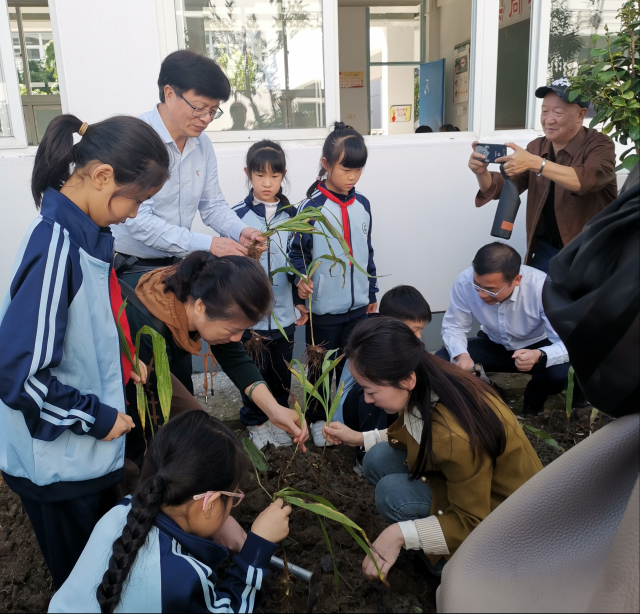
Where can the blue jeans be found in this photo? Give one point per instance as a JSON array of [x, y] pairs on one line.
[[397, 498]]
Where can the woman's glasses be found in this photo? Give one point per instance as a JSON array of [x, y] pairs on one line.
[[207, 495]]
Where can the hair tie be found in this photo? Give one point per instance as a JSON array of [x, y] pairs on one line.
[[319, 178], [83, 128]]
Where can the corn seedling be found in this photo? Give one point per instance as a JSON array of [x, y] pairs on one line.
[[163, 374], [550, 441], [570, 387], [320, 506]]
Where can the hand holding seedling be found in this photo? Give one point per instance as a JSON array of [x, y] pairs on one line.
[[142, 378], [226, 247], [273, 523], [526, 359], [385, 550], [465, 362], [305, 289], [337, 433], [122, 426]]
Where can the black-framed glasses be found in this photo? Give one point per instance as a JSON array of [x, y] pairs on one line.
[[200, 113]]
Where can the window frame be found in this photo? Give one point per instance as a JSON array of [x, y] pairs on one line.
[[169, 26], [16, 117]]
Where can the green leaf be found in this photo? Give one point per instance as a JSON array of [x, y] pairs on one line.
[[335, 403], [162, 369], [570, 387], [573, 95], [321, 510], [597, 68], [606, 129], [141, 402], [619, 101], [256, 457], [327, 541], [633, 120], [606, 76], [544, 436], [597, 52], [366, 548], [273, 315], [630, 161]]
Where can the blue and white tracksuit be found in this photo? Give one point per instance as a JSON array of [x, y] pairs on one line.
[[61, 381], [174, 571], [337, 298], [277, 351]]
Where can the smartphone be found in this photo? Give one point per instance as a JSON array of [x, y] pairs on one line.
[[491, 152]]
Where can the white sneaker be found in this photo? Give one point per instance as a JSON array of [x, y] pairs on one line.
[[279, 438], [316, 433]]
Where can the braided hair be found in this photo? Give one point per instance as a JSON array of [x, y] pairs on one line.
[[345, 145], [178, 466]]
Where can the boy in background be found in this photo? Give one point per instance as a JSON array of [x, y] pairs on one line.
[[403, 303]]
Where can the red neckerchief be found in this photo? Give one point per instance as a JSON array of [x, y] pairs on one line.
[[343, 209], [116, 303]]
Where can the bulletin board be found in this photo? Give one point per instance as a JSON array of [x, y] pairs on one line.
[[461, 73]]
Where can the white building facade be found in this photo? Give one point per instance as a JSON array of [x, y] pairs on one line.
[[295, 68]]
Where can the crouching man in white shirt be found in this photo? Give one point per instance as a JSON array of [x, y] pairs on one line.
[[506, 298]]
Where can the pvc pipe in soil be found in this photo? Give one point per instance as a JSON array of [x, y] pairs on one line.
[[294, 570]]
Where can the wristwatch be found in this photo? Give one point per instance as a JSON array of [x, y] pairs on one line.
[[543, 358]]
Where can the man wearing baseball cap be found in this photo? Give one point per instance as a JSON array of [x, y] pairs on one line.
[[569, 173]]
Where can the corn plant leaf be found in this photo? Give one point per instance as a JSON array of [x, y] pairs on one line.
[[550, 441], [325, 373], [299, 411], [163, 372], [307, 388], [570, 388], [327, 541], [592, 418], [273, 315], [141, 401], [335, 403], [256, 457], [321, 510]]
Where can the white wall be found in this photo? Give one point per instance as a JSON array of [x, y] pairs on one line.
[[353, 57]]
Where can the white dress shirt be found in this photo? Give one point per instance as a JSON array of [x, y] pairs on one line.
[[163, 224], [516, 323]]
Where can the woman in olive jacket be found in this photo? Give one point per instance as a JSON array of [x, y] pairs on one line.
[[453, 455]]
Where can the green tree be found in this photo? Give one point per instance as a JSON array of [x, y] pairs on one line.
[[42, 71], [564, 40], [608, 78]]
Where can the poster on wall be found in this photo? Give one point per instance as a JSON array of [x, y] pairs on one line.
[[461, 73], [400, 113], [351, 79], [431, 112]]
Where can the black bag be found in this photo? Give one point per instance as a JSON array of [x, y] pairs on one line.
[[507, 210]]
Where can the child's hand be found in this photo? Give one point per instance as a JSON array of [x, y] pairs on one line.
[[337, 433], [304, 315], [273, 523], [143, 372], [305, 289], [121, 427], [372, 308]]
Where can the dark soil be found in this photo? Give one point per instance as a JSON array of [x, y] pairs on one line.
[[25, 583]]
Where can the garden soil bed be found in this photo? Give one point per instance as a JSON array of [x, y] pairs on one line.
[[25, 584]]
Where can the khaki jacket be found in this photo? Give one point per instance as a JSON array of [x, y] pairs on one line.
[[465, 488], [592, 155]]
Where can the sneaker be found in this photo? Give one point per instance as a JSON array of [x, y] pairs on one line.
[[316, 433], [260, 434], [279, 438]]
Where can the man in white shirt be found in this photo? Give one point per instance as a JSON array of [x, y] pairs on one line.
[[191, 89], [506, 298]]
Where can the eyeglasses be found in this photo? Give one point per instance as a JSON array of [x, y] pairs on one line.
[[207, 495], [492, 294], [200, 113]]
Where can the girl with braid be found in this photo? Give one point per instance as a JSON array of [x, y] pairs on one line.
[[158, 550]]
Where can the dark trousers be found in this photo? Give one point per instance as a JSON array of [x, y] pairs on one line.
[[361, 416], [495, 357], [543, 254], [63, 529], [330, 337], [272, 363]]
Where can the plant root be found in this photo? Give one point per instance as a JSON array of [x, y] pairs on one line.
[[313, 358], [253, 251], [254, 347]]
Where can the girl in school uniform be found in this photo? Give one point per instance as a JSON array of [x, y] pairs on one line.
[[338, 304], [266, 205], [158, 551], [62, 376]]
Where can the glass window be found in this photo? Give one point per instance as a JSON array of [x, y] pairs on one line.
[[394, 34], [5, 120], [573, 23], [272, 53]]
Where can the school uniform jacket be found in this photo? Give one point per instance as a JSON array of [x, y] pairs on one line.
[[351, 213], [274, 258], [173, 571], [61, 375]]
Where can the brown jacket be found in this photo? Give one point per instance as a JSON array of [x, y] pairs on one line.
[[592, 155], [466, 488]]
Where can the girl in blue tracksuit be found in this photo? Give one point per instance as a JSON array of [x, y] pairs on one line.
[[338, 303], [62, 401], [159, 550], [265, 206]]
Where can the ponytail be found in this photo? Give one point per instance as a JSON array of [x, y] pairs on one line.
[[225, 285], [345, 145], [131, 147], [463, 394], [178, 466]]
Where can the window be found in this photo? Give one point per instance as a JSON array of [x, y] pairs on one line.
[[5, 119], [272, 53], [38, 76]]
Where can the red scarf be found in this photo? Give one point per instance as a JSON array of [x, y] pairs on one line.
[[345, 216], [116, 302]]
